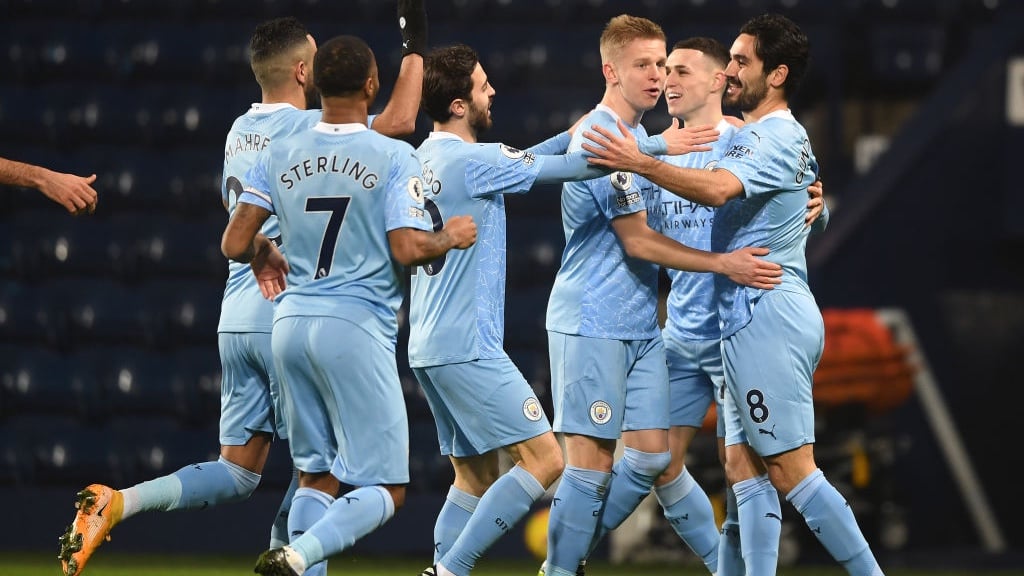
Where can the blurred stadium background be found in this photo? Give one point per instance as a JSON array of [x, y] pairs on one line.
[[108, 363]]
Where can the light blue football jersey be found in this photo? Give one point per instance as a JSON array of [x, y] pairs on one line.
[[337, 190], [599, 291], [243, 308], [692, 311], [773, 159], [457, 302]]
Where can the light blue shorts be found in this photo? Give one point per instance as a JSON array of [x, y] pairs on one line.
[[343, 401], [769, 370], [696, 379], [249, 391], [601, 388], [481, 405]]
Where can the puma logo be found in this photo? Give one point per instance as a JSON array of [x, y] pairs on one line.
[[350, 499], [768, 432], [773, 515]]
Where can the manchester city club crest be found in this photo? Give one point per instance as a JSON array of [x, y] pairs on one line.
[[532, 409], [600, 412]]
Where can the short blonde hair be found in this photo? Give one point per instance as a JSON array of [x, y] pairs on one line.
[[622, 30]]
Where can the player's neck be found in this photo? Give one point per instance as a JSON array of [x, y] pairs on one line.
[[630, 115], [345, 110], [771, 103], [704, 116], [283, 96], [460, 129]]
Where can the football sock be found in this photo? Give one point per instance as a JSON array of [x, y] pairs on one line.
[[457, 509], [279, 529], [194, 486], [348, 519], [689, 511], [760, 514], [830, 518], [632, 478], [308, 506], [501, 508], [575, 517], [730, 554]]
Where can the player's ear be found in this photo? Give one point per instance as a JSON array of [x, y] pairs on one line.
[[458, 108], [718, 81], [610, 76], [303, 73], [777, 77]]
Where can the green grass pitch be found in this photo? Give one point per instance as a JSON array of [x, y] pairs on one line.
[[137, 565]]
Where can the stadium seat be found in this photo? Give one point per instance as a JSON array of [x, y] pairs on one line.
[[87, 247], [152, 447], [136, 382], [190, 310], [535, 247], [182, 249], [63, 452], [196, 376], [39, 381], [525, 315], [27, 318], [103, 312]]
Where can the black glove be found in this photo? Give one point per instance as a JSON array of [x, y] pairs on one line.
[[412, 19]]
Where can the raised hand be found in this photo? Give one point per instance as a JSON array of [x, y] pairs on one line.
[[689, 139], [412, 20]]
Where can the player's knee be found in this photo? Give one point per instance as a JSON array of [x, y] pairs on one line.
[[397, 495], [649, 464], [244, 482]]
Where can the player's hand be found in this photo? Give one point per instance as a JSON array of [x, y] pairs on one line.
[[74, 193], [615, 151], [412, 20], [271, 270], [689, 139], [461, 230], [744, 267], [816, 204]]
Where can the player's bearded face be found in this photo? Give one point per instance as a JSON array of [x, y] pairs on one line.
[[746, 94], [480, 116]]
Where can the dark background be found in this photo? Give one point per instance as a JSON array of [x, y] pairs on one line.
[[108, 323]]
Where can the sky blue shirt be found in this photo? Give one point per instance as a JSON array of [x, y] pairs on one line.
[[599, 291], [243, 308], [773, 160], [457, 303], [337, 190], [692, 312]]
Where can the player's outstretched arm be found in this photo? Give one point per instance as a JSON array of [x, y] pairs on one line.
[[399, 115], [413, 247], [620, 152], [74, 193]]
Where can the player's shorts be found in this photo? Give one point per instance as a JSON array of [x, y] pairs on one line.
[[769, 370], [696, 378], [481, 405], [343, 400], [601, 388], [249, 390]]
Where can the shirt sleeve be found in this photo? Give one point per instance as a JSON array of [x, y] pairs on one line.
[[557, 144], [257, 185], [404, 194]]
